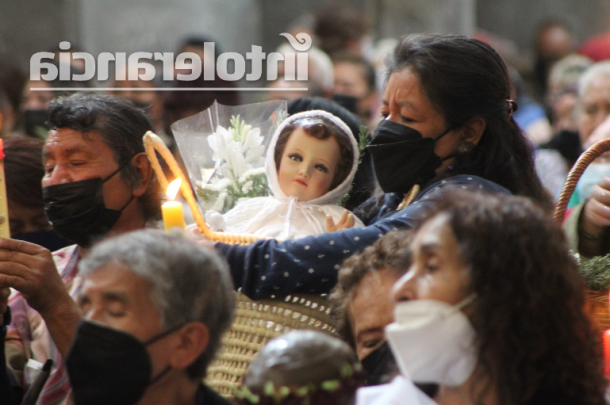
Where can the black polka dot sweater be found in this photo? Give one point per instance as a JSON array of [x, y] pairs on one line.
[[269, 268]]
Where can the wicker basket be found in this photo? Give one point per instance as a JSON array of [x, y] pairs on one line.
[[255, 322], [597, 301]]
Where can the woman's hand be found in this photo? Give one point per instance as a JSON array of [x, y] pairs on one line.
[[346, 221], [30, 269], [595, 219]]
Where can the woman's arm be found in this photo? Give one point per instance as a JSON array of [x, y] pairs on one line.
[[269, 268]]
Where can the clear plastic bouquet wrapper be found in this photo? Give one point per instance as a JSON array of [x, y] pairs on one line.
[[224, 149]]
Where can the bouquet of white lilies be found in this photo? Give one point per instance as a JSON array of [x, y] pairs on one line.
[[226, 165]]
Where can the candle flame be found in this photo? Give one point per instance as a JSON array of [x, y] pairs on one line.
[[173, 188]]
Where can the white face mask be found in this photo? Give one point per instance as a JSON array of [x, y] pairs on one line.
[[433, 342], [592, 176]]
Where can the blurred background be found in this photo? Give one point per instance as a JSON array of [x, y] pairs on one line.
[[29, 26]]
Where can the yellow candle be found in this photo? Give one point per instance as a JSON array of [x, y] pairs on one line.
[[173, 217], [5, 229]]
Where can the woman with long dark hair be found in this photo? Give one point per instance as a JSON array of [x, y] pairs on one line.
[[448, 121]]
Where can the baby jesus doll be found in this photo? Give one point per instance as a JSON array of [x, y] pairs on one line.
[[310, 165]]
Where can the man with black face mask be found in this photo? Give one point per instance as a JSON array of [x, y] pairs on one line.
[[98, 183], [155, 306]]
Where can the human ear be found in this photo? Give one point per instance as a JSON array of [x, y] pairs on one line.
[[193, 340], [142, 166], [472, 131]]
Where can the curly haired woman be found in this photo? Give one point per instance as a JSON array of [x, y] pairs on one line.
[[491, 309]]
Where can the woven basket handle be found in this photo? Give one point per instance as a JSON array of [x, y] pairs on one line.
[[153, 143], [578, 169]]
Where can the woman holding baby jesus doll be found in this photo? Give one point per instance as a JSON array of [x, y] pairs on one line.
[[448, 123]]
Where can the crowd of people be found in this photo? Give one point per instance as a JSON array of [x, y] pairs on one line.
[[447, 279]]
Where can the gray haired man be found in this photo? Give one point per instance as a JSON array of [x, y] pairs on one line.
[[155, 307]]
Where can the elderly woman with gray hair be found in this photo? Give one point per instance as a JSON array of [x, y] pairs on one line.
[[155, 307], [589, 217]]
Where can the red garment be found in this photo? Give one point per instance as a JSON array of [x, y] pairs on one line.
[[596, 48]]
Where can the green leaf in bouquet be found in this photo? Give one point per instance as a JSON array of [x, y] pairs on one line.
[[344, 199], [207, 196], [239, 126], [364, 138]]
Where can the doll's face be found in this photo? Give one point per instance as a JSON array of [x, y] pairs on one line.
[[308, 165]]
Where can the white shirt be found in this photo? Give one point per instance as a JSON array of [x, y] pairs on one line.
[[399, 391]]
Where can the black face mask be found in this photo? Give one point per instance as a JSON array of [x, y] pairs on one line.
[[379, 365], [109, 366], [402, 157], [350, 103], [47, 239], [35, 123], [77, 210]]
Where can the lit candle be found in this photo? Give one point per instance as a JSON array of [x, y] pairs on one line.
[[607, 353], [173, 216], [5, 229]]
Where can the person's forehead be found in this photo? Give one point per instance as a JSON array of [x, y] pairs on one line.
[[115, 276], [598, 86], [114, 286], [63, 140], [371, 305], [405, 90], [374, 288], [352, 70], [435, 232]]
